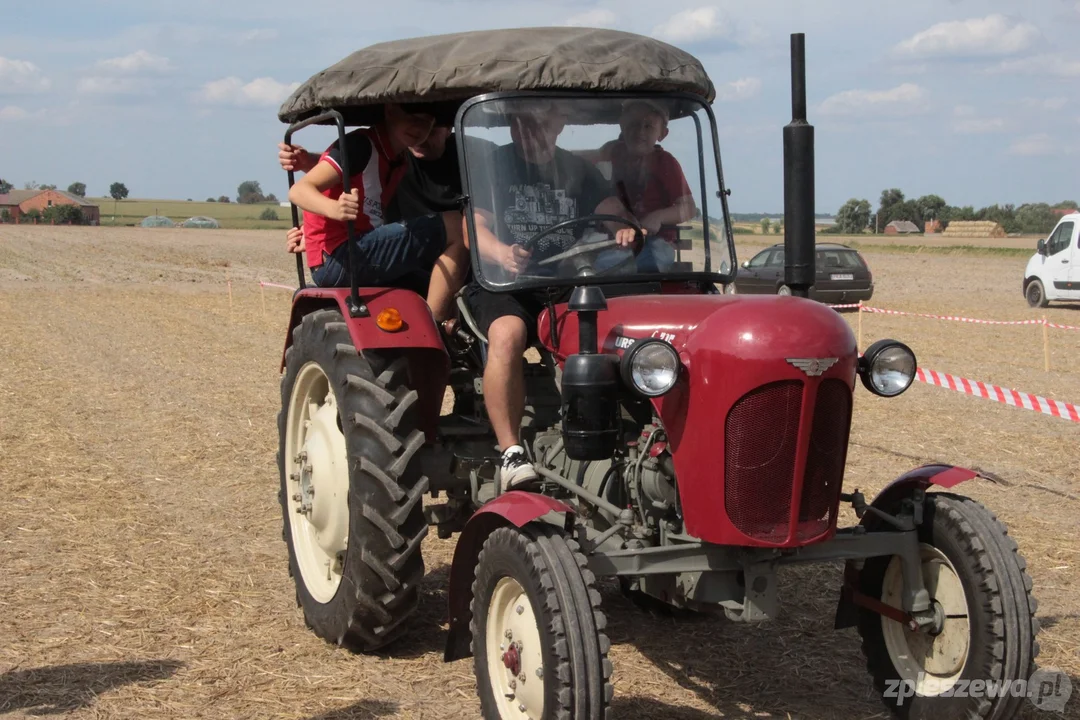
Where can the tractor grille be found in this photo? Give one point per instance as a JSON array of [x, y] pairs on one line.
[[760, 437], [825, 459]]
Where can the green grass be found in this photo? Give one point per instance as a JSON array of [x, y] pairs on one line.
[[972, 250], [230, 215]]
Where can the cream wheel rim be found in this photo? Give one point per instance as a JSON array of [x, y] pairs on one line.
[[514, 656], [932, 663], [317, 485]]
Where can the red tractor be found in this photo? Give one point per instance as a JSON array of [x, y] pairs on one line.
[[688, 442]]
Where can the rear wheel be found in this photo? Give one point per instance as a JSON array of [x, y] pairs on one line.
[[1036, 294], [538, 642], [985, 629], [350, 485]]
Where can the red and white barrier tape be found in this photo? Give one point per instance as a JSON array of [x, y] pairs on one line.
[[1027, 401], [869, 309], [275, 285], [953, 318]]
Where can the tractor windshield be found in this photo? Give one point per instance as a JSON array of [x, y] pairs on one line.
[[558, 187]]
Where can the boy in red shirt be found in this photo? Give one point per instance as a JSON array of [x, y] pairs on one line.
[[388, 252], [648, 179]]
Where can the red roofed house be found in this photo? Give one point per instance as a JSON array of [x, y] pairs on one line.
[[18, 202], [897, 227]]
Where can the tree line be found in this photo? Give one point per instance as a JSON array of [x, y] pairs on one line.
[[248, 192], [856, 215]]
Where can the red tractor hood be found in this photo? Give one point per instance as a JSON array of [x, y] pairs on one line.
[[730, 347], [743, 327]]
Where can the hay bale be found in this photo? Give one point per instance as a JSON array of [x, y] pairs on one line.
[[974, 229], [156, 221], [201, 221]]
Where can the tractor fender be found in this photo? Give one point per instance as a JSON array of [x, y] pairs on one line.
[[516, 508], [418, 332], [921, 478], [419, 339], [945, 476]]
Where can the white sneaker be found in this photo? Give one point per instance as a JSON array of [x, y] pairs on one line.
[[516, 472]]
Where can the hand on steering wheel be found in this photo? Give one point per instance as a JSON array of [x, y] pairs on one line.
[[638, 232], [586, 253]]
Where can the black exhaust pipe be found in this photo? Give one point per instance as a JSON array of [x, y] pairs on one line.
[[798, 180]]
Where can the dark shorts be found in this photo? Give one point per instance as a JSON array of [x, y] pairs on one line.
[[487, 307], [388, 255]]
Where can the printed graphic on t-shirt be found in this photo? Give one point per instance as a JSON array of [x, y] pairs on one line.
[[374, 210], [534, 208]]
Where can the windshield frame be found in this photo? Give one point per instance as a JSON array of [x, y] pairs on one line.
[[713, 276]]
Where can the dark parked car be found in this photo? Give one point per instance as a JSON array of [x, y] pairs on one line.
[[842, 275]]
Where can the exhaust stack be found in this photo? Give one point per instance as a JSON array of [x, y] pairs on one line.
[[798, 180]]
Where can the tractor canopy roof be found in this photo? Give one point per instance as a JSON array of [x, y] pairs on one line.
[[443, 71]]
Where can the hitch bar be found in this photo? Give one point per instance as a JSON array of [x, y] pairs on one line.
[[851, 582]]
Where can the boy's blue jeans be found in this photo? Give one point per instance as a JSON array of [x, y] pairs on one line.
[[386, 255]]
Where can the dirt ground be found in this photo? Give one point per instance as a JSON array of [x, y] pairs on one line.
[[142, 572]]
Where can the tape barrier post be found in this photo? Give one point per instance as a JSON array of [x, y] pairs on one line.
[[1046, 345], [859, 323], [228, 282], [262, 298]]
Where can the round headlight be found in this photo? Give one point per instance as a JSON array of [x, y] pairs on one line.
[[888, 368], [651, 367]]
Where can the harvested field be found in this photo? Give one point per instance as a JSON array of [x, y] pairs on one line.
[[144, 574]]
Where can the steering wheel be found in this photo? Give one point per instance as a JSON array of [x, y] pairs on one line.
[[580, 250]]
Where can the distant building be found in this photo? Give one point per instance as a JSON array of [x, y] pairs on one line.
[[18, 202], [932, 226], [901, 227]]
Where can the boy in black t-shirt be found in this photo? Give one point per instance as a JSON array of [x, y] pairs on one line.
[[531, 185]]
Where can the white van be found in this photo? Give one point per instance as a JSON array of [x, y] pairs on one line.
[[1053, 273]]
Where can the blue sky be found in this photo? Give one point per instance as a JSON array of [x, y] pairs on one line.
[[974, 100]]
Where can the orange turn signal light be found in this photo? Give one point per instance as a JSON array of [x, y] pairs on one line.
[[389, 319]]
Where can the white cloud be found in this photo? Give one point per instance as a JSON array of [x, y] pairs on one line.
[[597, 17], [233, 91], [105, 85], [1034, 145], [906, 99], [695, 25], [259, 35], [978, 126], [137, 62], [21, 76], [740, 89], [991, 36], [963, 111], [11, 113], [1052, 65]]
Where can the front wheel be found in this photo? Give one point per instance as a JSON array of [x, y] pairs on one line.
[[1036, 294], [985, 628], [537, 630]]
